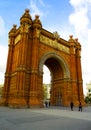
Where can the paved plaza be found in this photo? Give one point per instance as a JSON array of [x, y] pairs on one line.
[[53, 118]]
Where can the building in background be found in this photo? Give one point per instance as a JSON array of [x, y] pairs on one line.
[[88, 89], [1, 89], [47, 88]]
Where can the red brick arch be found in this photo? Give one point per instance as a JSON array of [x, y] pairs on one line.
[[59, 71], [59, 59], [31, 47]]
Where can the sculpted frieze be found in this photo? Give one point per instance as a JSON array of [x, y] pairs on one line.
[[53, 43]]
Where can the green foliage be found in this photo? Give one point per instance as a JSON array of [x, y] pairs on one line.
[[88, 99], [45, 91]]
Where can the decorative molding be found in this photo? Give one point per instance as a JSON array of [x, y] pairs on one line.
[[17, 39], [56, 35], [61, 61], [54, 44], [24, 28], [37, 33]]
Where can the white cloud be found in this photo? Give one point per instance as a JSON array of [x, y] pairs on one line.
[[77, 3], [38, 7], [86, 62], [80, 15], [34, 8], [2, 26], [3, 59], [80, 20], [3, 50], [41, 2]]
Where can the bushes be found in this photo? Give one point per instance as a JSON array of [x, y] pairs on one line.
[[88, 99]]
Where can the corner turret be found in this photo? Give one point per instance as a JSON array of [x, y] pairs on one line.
[[26, 18], [12, 31], [37, 22]]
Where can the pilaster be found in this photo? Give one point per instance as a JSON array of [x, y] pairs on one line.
[[79, 72], [5, 94], [21, 92], [34, 92], [73, 70]]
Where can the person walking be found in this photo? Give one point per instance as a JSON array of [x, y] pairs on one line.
[[71, 105], [46, 104], [80, 107]]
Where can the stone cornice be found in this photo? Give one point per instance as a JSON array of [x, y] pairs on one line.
[[51, 36]]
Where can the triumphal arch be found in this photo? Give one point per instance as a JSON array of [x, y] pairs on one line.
[[30, 48]]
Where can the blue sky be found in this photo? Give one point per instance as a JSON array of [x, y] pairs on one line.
[[67, 17]]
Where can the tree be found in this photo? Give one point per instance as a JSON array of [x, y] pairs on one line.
[[45, 91], [88, 99]]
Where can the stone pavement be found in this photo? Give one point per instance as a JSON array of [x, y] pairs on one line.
[[53, 118]]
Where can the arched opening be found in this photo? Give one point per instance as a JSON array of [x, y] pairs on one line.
[[59, 77]]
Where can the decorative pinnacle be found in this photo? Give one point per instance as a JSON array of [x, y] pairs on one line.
[[76, 39], [27, 11], [71, 36], [14, 26], [36, 16]]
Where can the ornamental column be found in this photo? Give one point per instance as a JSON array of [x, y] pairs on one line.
[[19, 99], [79, 72], [5, 93], [35, 100], [73, 70]]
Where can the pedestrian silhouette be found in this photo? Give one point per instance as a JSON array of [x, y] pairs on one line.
[[71, 105], [46, 104], [80, 107]]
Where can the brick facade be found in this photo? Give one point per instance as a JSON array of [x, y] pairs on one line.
[[31, 47]]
